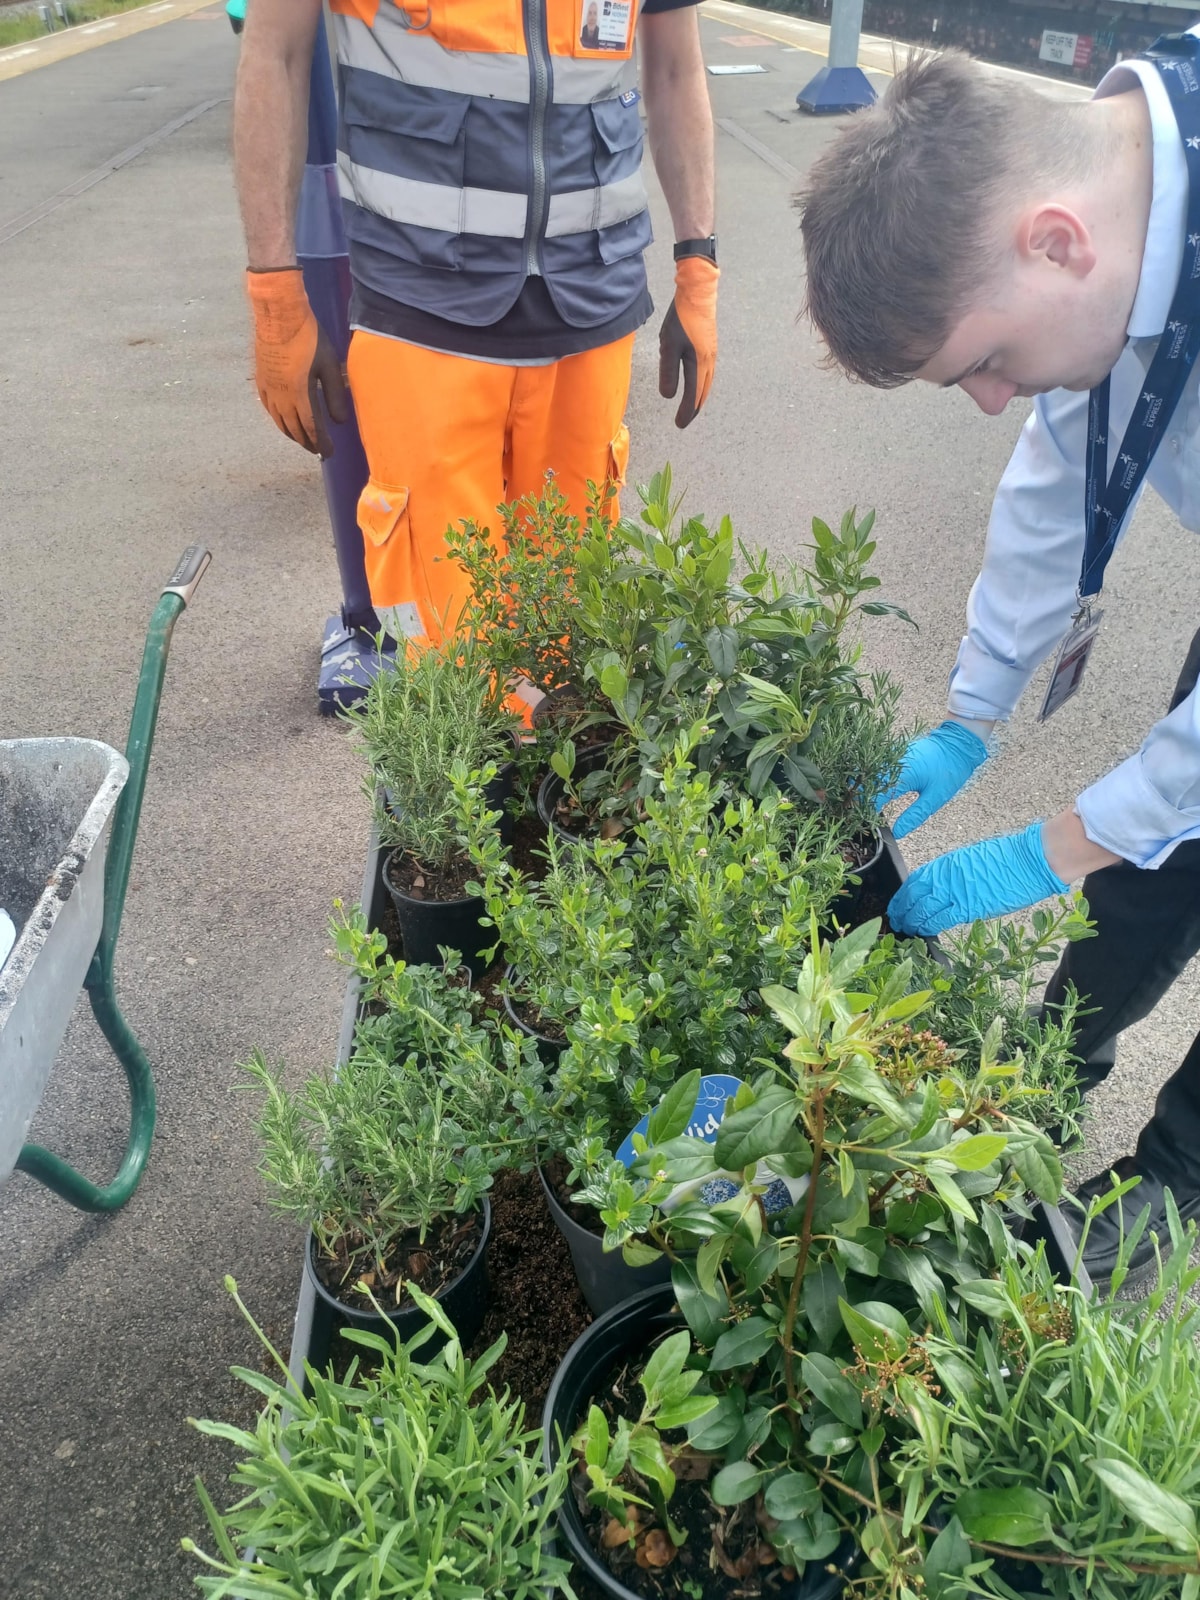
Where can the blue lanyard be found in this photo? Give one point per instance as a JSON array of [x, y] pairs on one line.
[[1177, 57]]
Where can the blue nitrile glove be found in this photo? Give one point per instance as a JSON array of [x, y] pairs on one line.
[[980, 880], [936, 766]]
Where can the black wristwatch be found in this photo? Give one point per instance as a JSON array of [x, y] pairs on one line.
[[698, 247]]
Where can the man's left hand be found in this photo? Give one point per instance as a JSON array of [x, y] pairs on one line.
[[688, 337], [987, 879]]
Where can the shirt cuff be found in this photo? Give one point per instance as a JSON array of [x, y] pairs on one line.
[[984, 688], [1125, 813]]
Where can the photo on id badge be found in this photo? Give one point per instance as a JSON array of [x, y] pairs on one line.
[[605, 24]]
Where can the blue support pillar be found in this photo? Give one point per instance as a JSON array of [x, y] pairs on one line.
[[348, 651], [841, 85]]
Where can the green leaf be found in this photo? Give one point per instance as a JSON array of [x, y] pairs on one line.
[[646, 1456], [704, 1313], [833, 1389], [666, 1363], [768, 1125], [793, 1494], [722, 646], [1004, 1516], [1160, 1510], [595, 1451], [951, 1194], [831, 1439], [714, 1431], [735, 1483], [1040, 1170], [671, 1116], [877, 1329], [678, 1413], [975, 1153], [948, 1558], [908, 1217], [986, 1295], [743, 1344], [636, 1254], [821, 1296], [613, 681]]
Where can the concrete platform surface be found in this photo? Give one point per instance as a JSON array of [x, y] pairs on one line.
[[130, 428]]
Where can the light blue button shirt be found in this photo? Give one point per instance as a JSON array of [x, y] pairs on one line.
[[1023, 600]]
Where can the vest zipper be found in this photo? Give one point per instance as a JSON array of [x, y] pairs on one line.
[[537, 44]]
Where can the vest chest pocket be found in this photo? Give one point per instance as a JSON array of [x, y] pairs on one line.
[[617, 141], [403, 158]]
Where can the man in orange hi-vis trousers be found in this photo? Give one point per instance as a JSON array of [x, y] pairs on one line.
[[489, 162]]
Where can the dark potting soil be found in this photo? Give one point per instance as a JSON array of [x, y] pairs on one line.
[[547, 1027], [534, 1297], [725, 1551], [426, 883], [528, 849], [588, 1217], [448, 1246]]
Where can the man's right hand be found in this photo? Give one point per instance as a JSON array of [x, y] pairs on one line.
[[936, 767], [292, 357]]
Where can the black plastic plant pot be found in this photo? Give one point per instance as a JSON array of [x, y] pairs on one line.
[[604, 1276], [464, 1299], [599, 1352], [549, 1049], [553, 788], [428, 926], [879, 878]]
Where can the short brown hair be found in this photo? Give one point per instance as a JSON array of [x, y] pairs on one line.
[[899, 213]]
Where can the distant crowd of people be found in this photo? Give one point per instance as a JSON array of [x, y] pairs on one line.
[[996, 30]]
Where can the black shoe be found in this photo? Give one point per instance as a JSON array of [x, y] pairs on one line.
[[1104, 1236]]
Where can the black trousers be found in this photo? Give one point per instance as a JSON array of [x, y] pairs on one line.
[[1147, 930]]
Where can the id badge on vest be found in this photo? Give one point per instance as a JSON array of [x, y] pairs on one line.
[[606, 25]]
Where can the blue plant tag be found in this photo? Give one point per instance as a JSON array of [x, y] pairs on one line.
[[716, 1090]]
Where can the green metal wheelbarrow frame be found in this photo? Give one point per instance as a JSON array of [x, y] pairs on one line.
[[34, 1160]]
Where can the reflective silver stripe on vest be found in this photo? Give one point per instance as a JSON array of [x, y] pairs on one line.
[[486, 211], [582, 210], [395, 52], [433, 205]]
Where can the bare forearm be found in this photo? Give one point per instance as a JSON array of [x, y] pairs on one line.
[[679, 119], [270, 125], [1069, 851]]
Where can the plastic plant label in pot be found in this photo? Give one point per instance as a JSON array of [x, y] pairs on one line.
[[464, 1299], [605, 1277]]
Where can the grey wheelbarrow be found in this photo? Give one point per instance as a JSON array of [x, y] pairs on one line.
[[69, 812]]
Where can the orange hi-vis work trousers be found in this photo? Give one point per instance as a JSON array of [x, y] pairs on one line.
[[449, 438]]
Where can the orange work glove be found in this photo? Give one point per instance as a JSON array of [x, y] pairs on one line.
[[688, 336], [292, 357]]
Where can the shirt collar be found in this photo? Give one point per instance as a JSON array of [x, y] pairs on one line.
[[1168, 204]]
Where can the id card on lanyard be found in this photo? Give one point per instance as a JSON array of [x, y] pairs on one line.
[[1107, 498]]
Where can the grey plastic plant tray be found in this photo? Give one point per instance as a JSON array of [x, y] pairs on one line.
[[57, 798]]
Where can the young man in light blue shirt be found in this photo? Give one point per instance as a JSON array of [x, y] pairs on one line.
[[976, 233]]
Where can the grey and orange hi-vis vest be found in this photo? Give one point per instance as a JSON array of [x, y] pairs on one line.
[[481, 141]]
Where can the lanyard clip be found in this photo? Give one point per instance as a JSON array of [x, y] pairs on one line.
[[1083, 613]]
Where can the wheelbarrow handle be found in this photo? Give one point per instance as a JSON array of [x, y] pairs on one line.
[[189, 569]]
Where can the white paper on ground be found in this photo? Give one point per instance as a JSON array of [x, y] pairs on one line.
[[8, 936]]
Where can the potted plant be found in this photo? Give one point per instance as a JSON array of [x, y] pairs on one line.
[[642, 957], [852, 1200], [389, 1160], [426, 711], [406, 1478], [678, 641]]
